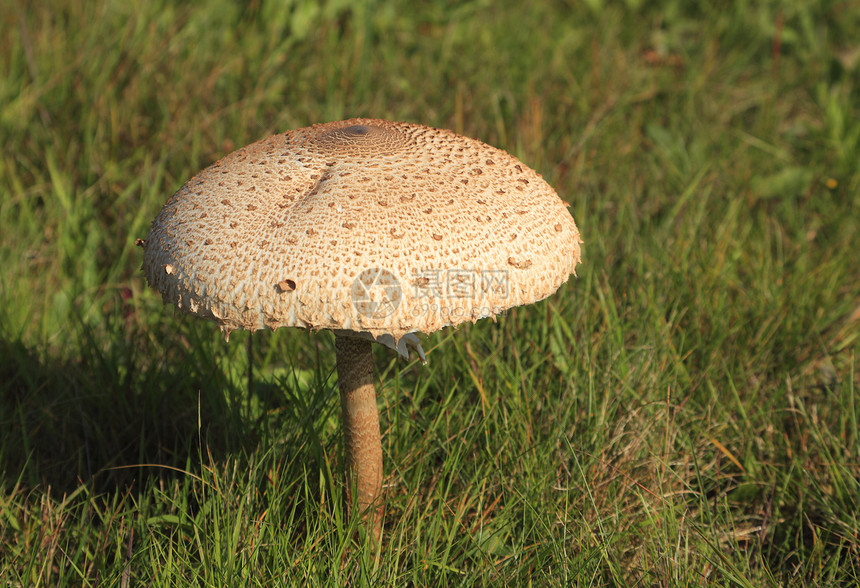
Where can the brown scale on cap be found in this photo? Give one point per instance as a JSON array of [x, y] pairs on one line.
[[278, 233]]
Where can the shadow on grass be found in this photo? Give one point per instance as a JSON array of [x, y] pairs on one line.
[[120, 417]]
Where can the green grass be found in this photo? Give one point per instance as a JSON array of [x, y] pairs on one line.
[[682, 413]]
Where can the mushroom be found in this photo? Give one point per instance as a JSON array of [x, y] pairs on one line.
[[373, 229]]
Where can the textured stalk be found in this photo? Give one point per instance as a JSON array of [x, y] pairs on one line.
[[361, 428]]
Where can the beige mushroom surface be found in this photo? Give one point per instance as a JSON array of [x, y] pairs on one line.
[[363, 225], [372, 229]]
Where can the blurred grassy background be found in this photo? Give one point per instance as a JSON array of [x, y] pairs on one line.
[[682, 413]]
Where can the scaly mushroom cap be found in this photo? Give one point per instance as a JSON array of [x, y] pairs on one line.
[[363, 225]]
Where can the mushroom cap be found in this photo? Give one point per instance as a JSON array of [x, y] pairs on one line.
[[362, 225]]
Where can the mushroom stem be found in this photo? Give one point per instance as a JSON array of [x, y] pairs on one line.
[[361, 428]]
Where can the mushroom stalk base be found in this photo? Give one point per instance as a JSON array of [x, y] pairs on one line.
[[361, 428]]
